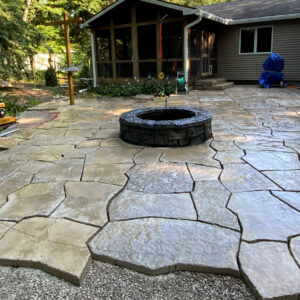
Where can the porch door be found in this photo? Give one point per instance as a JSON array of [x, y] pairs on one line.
[[205, 53]]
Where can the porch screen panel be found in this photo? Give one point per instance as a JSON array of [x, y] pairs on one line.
[[104, 70], [147, 42], [148, 69], [103, 45], [123, 43], [124, 70], [172, 40]]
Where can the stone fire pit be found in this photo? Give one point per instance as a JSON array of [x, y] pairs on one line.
[[166, 127]]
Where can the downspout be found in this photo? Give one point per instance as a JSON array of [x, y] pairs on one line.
[[93, 59], [186, 50]]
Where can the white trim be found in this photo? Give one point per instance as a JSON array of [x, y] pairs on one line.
[[185, 10], [255, 40]]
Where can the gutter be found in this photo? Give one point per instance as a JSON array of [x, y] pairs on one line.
[[93, 58], [186, 50]]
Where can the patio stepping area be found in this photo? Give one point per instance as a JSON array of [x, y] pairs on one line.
[[71, 190]]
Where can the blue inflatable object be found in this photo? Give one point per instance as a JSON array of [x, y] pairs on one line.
[[272, 68]]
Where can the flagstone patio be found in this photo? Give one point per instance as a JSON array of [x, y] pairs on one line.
[[71, 190]]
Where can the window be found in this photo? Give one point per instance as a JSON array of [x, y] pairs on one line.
[[256, 40]]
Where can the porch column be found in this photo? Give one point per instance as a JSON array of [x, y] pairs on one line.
[[113, 48], [135, 53]]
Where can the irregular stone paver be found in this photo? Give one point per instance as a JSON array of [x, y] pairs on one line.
[[295, 248], [26, 133], [290, 198], [33, 166], [242, 178], [106, 133], [64, 169], [45, 140], [264, 217], [12, 184], [160, 178], [112, 155], [86, 202], [80, 132], [271, 270], [263, 145], [224, 145], [8, 168], [201, 154], [268, 160], [203, 173], [33, 200], [132, 205], [106, 173], [156, 246], [117, 142], [85, 125], [210, 199], [7, 143], [288, 180], [4, 227], [55, 246], [295, 145], [44, 153], [88, 143], [148, 155], [230, 157], [79, 152]]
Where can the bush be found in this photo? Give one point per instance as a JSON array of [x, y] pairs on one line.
[[129, 89], [85, 72], [50, 77]]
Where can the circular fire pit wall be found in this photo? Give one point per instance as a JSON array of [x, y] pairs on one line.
[[166, 127]]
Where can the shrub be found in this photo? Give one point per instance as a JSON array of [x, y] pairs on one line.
[[129, 89], [50, 77], [85, 72]]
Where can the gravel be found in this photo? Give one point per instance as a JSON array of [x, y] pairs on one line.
[[105, 281]]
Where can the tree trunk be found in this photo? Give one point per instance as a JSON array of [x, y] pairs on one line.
[[32, 62], [26, 10], [51, 59]]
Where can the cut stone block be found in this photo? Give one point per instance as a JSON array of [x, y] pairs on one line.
[[86, 202], [290, 198], [106, 173], [204, 173], [55, 246], [210, 199], [288, 180], [33, 200], [270, 269], [112, 155], [156, 246], [295, 248], [64, 169], [160, 178], [201, 154], [271, 160], [264, 217], [132, 205], [242, 178]]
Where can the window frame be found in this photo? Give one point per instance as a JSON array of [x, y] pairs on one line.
[[255, 40]]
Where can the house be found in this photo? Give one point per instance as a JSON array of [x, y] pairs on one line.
[[138, 38]]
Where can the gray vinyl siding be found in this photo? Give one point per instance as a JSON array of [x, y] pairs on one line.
[[286, 42]]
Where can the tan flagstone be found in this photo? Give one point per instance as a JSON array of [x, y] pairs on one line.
[[148, 155], [230, 157], [53, 245], [210, 199], [86, 202], [33, 166], [117, 142], [106, 133], [201, 154], [85, 125], [64, 169], [112, 155], [80, 132], [290, 198], [289, 180], [7, 143], [43, 153], [160, 178], [106, 173], [54, 132], [12, 184], [271, 160], [45, 140], [242, 178], [132, 205], [89, 143], [33, 200], [8, 168], [204, 173], [4, 227], [155, 246], [264, 217], [26, 133], [79, 152], [271, 270]]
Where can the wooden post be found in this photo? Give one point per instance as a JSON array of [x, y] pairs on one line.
[[134, 38], [113, 48], [69, 61], [66, 22]]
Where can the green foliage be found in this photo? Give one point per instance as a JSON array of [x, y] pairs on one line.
[[50, 77], [12, 108], [85, 72], [129, 89]]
